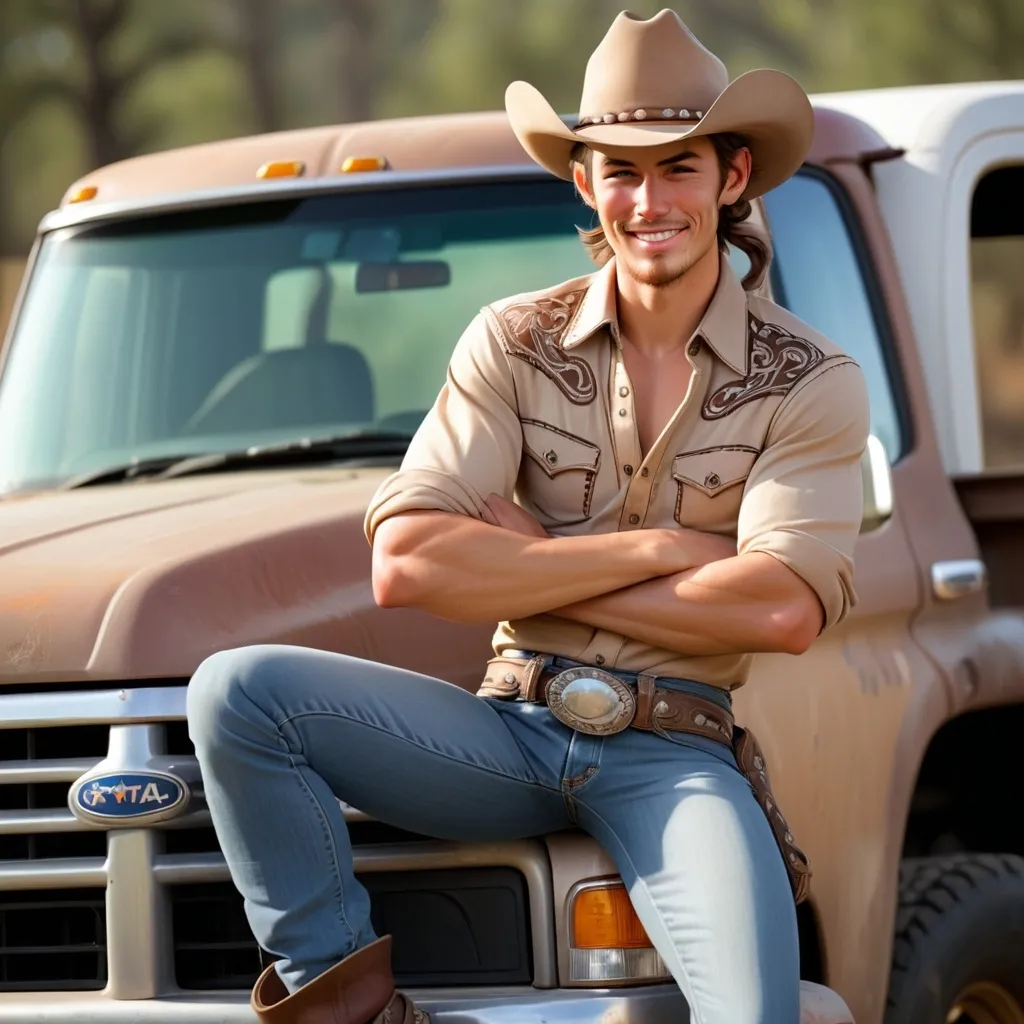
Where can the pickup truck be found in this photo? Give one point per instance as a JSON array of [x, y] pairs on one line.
[[216, 355]]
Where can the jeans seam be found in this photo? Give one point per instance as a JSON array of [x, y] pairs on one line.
[[332, 848], [695, 1013], [419, 746]]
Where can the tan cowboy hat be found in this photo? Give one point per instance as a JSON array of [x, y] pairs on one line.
[[650, 82]]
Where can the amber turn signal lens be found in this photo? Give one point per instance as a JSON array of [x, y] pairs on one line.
[[603, 918], [83, 194], [282, 169], [363, 163]]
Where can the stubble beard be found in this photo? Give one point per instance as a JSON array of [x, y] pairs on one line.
[[658, 274]]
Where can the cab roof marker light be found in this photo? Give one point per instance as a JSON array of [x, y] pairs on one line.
[[607, 941], [354, 164], [282, 169], [83, 194]]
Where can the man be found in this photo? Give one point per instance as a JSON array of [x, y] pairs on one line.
[[685, 459]]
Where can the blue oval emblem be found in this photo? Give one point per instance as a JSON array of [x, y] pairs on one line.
[[128, 795]]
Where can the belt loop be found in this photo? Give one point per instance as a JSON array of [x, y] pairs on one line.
[[644, 699], [531, 676]]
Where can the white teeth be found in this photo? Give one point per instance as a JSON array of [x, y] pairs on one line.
[[656, 236]]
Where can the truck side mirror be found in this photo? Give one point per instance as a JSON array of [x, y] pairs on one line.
[[876, 473]]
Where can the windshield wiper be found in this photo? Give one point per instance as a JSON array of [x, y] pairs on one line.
[[283, 453]]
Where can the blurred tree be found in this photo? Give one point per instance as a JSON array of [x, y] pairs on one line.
[[88, 78], [259, 28]]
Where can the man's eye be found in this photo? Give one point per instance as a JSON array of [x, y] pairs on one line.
[[682, 169]]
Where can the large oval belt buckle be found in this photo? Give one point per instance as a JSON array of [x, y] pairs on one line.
[[591, 701]]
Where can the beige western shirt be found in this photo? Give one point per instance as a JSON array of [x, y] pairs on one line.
[[538, 406]]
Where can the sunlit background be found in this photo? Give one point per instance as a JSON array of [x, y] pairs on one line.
[[85, 82]]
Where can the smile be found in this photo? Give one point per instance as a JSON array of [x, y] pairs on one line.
[[657, 236]]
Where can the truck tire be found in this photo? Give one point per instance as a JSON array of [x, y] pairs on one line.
[[959, 944]]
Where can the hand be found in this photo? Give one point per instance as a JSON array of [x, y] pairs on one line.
[[514, 517]]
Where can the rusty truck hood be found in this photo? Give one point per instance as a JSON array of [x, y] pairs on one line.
[[142, 581]]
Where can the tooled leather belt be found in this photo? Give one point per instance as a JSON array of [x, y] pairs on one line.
[[594, 701]]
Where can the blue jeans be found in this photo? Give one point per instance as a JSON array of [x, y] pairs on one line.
[[290, 730]]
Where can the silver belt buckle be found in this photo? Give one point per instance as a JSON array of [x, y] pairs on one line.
[[592, 701]]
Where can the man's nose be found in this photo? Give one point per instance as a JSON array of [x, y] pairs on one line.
[[651, 199]]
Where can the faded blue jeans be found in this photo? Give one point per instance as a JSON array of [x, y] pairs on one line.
[[281, 732]]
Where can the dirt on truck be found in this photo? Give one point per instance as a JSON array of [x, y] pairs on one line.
[[216, 356]]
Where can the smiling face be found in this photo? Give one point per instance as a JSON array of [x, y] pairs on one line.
[[659, 206]]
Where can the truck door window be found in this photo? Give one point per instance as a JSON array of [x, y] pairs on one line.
[[997, 308], [817, 275]]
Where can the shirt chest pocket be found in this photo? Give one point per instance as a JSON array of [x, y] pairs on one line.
[[558, 473], [709, 487]]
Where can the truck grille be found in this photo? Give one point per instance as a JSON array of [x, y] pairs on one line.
[[36, 768], [66, 923], [52, 940], [442, 924]]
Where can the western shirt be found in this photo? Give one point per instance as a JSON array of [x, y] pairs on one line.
[[537, 406]]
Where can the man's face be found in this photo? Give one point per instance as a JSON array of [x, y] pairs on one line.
[[659, 205]]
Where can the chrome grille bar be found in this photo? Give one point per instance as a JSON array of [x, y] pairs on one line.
[[66, 770]]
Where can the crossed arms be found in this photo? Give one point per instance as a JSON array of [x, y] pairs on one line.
[[678, 589]]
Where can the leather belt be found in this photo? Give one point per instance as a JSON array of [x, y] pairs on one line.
[[594, 701]]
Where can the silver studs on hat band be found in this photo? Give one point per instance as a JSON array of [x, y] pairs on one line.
[[665, 114]]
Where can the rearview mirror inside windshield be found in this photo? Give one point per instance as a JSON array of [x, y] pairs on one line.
[[386, 277]]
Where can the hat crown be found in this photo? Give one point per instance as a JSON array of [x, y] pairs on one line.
[[650, 64]]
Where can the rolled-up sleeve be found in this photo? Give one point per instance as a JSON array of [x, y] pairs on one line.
[[469, 444], [803, 501]]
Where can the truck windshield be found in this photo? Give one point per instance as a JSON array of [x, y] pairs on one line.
[[213, 330]]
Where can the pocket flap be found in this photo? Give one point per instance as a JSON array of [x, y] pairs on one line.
[[555, 450], [712, 470]]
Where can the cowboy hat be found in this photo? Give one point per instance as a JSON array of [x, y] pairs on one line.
[[650, 82]]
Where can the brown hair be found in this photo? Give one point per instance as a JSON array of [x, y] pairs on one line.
[[733, 220]]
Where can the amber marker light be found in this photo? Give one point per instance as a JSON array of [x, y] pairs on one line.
[[282, 169], [83, 194], [607, 941], [355, 164]]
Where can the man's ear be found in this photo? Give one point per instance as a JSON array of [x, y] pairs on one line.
[[579, 177], [737, 177]]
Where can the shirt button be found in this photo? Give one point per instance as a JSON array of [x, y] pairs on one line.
[[623, 391], [694, 347], [628, 470], [712, 480], [598, 659], [622, 412], [644, 471], [633, 520]]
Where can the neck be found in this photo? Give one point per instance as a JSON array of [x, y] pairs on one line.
[[659, 319]]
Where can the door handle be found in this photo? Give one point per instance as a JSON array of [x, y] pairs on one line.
[[958, 578]]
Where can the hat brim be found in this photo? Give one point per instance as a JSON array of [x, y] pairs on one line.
[[768, 107]]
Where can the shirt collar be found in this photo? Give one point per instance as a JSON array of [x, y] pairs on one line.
[[723, 327]]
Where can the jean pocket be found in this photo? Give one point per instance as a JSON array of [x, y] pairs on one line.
[[691, 741]]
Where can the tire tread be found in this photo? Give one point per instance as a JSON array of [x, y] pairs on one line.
[[932, 886]]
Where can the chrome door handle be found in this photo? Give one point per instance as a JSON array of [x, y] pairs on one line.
[[958, 578]]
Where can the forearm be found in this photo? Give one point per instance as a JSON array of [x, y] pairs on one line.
[[462, 569], [744, 604]]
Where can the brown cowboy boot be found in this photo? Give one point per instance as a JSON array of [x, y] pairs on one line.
[[358, 990]]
